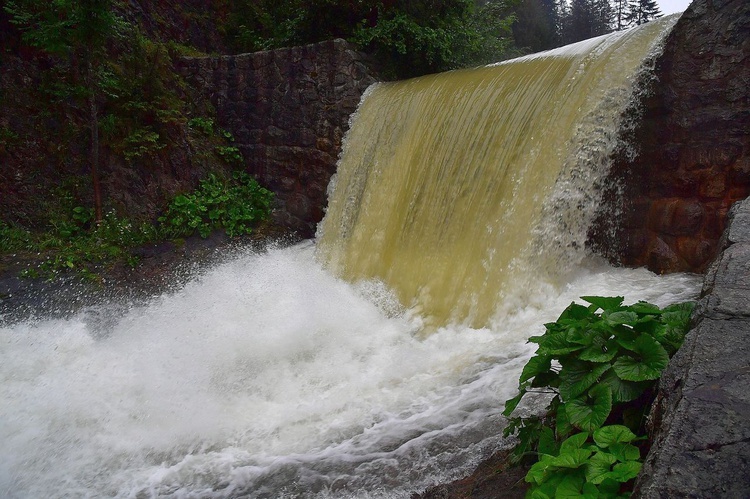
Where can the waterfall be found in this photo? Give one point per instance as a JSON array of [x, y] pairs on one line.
[[460, 200], [454, 188]]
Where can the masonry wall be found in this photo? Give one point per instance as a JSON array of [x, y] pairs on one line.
[[288, 110]]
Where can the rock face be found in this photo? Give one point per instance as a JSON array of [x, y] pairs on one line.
[[702, 444], [693, 146], [288, 110]]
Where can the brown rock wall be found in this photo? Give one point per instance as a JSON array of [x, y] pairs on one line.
[[694, 147], [288, 110]]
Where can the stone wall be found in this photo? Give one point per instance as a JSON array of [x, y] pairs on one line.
[[694, 147], [288, 110]]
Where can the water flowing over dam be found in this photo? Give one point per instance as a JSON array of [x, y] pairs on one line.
[[373, 362], [444, 178]]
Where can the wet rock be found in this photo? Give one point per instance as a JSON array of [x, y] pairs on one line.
[[701, 442], [693, 141]]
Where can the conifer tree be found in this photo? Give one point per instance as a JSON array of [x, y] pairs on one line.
[[642, 11], [621, 11]]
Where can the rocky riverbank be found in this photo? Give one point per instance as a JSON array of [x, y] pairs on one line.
[[161, 267], [700, 422]]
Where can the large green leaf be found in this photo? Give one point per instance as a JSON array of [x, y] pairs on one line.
[[590, 412], [650, 360], [574, 442], [547, 443], [678, 314], [571, 458], [538, 472], [645, 308], [613, 434], [623, 317], [562, 422], [601, 350], [649, 325], [580, 334], [571, 486], [623, 472], [574, 312], [547, 491], [599, 467], [625, 452], [609, 488], [604, 302], [536, 365], [555, 345], [577, 377]]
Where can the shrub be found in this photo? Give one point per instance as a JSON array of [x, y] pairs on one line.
[[235, 206], [602, 368]]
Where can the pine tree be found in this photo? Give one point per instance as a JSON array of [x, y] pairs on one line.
[[621, 10], [588, 18], [642, 11]]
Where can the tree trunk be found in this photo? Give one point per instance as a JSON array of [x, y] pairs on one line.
[[94, 153]]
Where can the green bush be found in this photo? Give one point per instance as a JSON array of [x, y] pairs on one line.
[[602, 368], [236, 206], [13, 238]]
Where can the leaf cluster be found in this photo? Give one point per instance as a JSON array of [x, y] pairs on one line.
[[74, 242], [236, 206], [599, 361], [578, 467]]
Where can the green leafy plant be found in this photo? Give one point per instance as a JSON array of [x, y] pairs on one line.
[[74, 243], [601, 368], [203, 125], [580, 467], [13, 238], [236, 206]]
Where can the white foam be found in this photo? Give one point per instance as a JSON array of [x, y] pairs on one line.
[[267, 376]]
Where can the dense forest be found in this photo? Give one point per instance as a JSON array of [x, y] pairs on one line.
[[91, 100]]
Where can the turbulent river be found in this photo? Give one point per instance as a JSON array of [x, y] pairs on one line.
[[267, 377]]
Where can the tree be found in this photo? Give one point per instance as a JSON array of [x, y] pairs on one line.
[[76, 30], [410, 37], [587, 19], [642, 11], [621, 10], [536, 27]]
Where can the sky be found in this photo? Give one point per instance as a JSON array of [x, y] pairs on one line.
[[672, 6]]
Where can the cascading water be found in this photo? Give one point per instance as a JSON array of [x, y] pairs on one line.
[[443, 179], [268, 376]]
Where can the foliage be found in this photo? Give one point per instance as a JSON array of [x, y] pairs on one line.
[[74, 242], [63, 27], [599, 366], [580, 467], [13, 238], [125, 88], [76, 30], [642, 11], [408, 37], [235, 206]]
